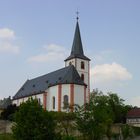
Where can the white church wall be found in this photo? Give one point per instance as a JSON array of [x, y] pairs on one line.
[[21, 100], [65, 91], [48, 99], [25, 99], [14, 102], [84, 71], [52, 92], [79, 65], [18, 101], [40, 98], [85, 76], [67, 63], [78, 94]]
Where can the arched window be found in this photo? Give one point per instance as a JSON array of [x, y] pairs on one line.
[[53, 101], [82, 76], [39, 101], [17, 102], [70, 63], [82, 65], [66, 101]]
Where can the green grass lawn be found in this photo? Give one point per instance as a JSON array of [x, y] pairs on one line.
[[6, 137]]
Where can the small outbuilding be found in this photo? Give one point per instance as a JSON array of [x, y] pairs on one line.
[[133, 117]]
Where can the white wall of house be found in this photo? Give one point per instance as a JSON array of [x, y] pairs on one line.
[[133, 121]]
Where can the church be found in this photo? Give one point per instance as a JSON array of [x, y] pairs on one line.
[[66, 86]]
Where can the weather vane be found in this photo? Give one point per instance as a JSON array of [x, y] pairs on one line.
[[77, 13]]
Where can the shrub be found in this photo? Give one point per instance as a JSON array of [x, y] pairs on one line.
[[32, 122]]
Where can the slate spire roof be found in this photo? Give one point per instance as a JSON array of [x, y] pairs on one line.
[[77, 47], [66, 75]]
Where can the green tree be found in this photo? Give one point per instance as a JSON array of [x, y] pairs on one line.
[[127, 132], [65, 123], [7, 114], [118, 107], [103, 113], [32, 122], [116, 104], [94, 119]]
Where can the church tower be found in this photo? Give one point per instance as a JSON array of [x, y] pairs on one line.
[[79, 60]]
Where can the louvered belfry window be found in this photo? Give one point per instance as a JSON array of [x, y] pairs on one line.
[[82, 65], [82, 77]]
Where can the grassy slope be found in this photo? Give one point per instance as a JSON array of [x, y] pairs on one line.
[[6, 137]]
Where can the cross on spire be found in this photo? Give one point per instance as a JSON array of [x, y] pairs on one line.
[[77, 13]]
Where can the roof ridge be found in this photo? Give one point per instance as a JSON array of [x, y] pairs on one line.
[[48, 73]]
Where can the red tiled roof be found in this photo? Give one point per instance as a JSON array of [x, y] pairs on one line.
[[135, 112]]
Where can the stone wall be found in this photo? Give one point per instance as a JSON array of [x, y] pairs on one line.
[[5, 126]]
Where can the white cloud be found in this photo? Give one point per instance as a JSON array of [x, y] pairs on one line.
[[6, 33], [110, 72], [7, 41], [101, 56], [54, 53], [8, 48], [54, 48]]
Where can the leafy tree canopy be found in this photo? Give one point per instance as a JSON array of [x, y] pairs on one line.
[[33, 122], [95, 118]]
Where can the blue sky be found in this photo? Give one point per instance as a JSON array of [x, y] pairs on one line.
[[36, 36]]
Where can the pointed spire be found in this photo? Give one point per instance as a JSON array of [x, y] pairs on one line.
[[77, 47]]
